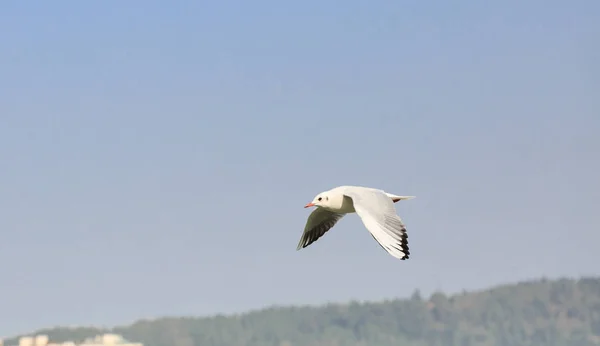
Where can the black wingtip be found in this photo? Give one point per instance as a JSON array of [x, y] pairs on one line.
[[404, 245]]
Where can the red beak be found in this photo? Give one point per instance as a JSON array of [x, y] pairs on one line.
[[309, 205]]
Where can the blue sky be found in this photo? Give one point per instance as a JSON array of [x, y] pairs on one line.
[[156, 157]]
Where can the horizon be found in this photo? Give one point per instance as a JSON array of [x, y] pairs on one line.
[[111, 328], [157, 157]]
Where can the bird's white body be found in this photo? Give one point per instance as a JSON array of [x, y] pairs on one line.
[[375, 207]]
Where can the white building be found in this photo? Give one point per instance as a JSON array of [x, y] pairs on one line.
[[41, 340], [26, 341], [99, 340]]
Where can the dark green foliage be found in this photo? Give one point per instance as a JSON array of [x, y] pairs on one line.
[[541, 313]]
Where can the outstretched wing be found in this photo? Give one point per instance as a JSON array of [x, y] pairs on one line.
[[378, 214], [319, 222]]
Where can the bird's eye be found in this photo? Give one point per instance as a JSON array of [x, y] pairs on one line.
[[320, 198]]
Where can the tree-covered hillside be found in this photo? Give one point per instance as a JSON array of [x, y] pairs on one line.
[[544, 313]]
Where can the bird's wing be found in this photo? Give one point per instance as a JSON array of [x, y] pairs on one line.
[[319, 222], [378, 214]]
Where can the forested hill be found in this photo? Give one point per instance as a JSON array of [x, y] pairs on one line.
[[545, 313]]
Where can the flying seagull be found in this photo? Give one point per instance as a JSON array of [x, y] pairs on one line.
[[376, 209]]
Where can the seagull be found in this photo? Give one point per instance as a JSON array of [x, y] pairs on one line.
[[375, 208]]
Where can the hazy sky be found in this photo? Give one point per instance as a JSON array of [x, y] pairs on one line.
[[155, 156]]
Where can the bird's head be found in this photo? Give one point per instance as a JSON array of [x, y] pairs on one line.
[[320, 200]]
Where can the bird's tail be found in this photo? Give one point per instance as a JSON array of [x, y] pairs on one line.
[[396, 198]]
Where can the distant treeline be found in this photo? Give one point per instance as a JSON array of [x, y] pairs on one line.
[[542, 313]]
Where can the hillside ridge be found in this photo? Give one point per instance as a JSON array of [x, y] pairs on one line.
[[544, 312]]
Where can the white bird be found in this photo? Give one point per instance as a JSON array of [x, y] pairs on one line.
[[375, 208]]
